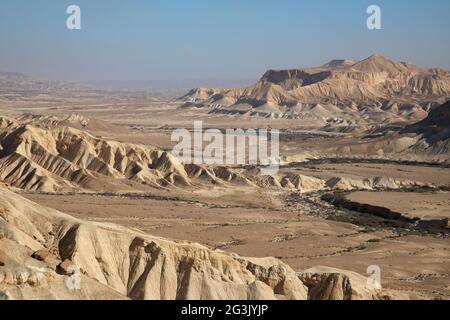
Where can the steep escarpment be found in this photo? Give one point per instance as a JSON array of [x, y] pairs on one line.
[[37, 245]]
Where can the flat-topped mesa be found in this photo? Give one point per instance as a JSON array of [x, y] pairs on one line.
[[202, 93], [292, 78], [339, 63]]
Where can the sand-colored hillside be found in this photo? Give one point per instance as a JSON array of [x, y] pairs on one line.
[[39, 246], [60, 158], [375, 86], [45, 155]]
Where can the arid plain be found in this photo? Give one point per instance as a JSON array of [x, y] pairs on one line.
[[357, 187]]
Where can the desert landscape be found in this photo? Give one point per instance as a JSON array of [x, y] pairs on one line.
[[88, 180]]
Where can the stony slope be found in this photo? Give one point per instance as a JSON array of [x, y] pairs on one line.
[[342, 90]]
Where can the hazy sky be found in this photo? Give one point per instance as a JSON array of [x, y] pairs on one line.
[[211, 39]]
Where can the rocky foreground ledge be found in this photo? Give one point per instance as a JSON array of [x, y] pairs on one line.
[[40, 247]]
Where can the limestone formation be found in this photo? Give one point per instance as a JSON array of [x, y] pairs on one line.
[[116, 262]]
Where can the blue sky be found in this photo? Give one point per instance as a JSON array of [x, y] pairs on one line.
[[210, 39]]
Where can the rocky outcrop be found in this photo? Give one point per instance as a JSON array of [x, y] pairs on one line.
[[302, 183], [372, 183], [326, 283]]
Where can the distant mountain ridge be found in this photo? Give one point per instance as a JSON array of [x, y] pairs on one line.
[[13, 81], [375, 82]]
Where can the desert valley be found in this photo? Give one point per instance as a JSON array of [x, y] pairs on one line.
[[88, 179]]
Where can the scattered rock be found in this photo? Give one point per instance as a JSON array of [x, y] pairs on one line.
[[65, 267], [40, 255]]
